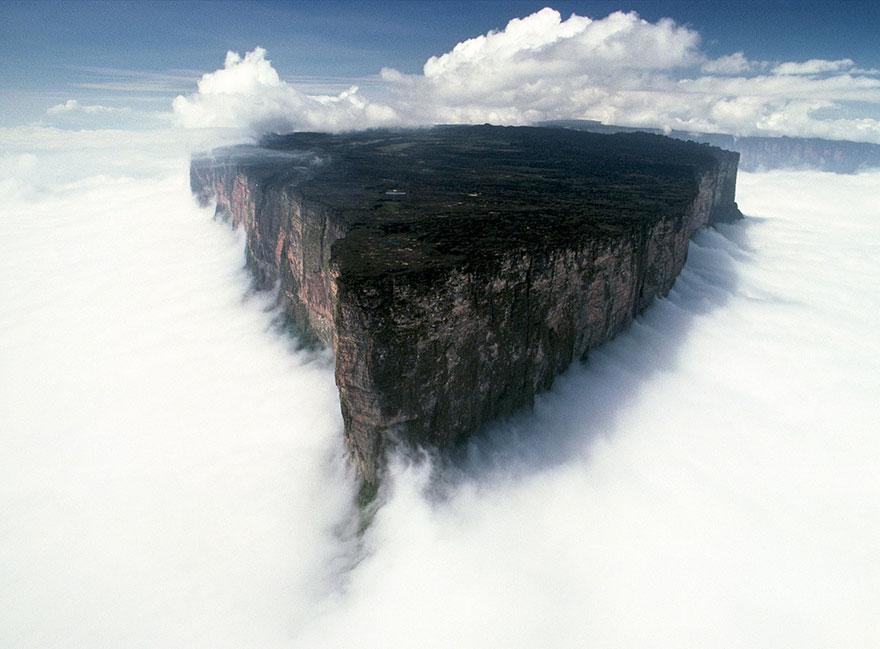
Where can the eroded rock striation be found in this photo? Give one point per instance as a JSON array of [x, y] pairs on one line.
[[456, 271]]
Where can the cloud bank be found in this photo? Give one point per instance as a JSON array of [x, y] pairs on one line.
[[144, 502], [706, 480], [173, 475], [619, 69]]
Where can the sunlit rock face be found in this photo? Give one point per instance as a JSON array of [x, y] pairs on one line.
[[456, 271]]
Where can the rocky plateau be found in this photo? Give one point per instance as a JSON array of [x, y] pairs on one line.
[[456, 271]]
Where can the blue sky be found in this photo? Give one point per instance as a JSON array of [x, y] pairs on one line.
[[142, 54], [357, 38]]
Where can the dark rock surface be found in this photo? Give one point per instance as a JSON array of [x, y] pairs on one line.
[[457, 270]]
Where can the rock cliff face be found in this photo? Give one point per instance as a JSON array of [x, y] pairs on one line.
[[456, 271]]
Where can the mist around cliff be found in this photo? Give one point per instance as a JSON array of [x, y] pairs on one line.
[[168, 460], [707, 479], [173, 471]]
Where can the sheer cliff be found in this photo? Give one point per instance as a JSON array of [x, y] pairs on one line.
[[456, 271]]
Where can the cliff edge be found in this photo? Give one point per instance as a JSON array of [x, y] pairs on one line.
[[455, 271]]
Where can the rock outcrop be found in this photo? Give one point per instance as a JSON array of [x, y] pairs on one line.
[[456, 271]]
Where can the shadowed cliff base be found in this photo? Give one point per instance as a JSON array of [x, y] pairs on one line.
[[456, 271], [586, 400]]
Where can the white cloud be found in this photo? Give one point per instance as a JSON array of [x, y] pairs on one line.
[[541, 67], [813, 66], [73, 106], [172, 474], [620, 70], [690, 486], [533, 46], [247, 93], [143, 503], [735, 63]]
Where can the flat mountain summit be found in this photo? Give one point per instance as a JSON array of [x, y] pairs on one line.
[[455, 271]]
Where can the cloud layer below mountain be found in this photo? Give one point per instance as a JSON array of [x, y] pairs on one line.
[[173, 473]]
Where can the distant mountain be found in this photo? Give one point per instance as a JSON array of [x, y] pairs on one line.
[[764, 153]]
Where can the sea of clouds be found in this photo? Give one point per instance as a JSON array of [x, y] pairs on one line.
[[172, 470], [173, 473]]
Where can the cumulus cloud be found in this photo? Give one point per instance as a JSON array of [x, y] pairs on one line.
[[625, 70], [543, 67], [247, 93], [530, 48], [620, 69]]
